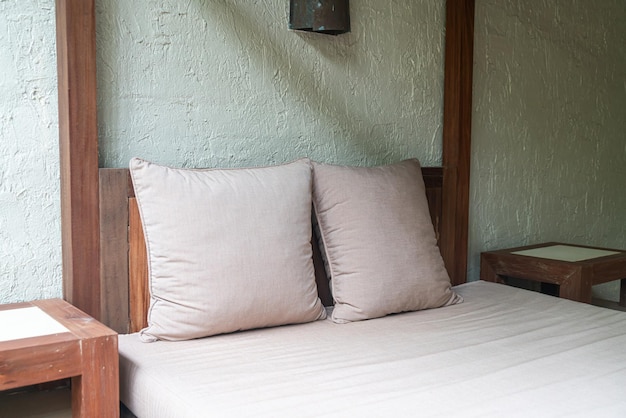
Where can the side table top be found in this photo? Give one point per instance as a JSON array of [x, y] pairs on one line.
[[31, 323], [564, 252], [27, 322]]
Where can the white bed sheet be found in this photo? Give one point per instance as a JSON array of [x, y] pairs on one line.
[[503, 352]]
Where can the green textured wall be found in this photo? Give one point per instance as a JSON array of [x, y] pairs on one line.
[[225, 83], [30, 234], [549, 125]]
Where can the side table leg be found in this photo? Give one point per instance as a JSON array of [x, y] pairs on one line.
[[577, 286], [96, 392], [622, 293], [487, 272]]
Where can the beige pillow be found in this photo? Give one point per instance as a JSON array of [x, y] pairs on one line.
[[379, 240], [228, 250]]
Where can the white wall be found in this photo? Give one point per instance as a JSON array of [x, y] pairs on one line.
[[30, 237], [549, 149]]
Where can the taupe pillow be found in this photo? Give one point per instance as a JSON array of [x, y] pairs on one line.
[[228, 250], [379, 240]]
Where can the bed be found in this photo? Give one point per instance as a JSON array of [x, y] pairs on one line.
[[494, 350], [501, 352]]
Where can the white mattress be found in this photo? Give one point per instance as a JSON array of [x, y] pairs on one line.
[[504, 352]]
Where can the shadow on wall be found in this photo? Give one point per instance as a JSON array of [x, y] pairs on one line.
[[309, 74], [226, 83]]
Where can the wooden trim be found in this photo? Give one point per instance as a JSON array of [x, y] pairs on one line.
[[457, 131], [78, 143]]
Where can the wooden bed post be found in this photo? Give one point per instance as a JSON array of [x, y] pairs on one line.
[[457, 132], [78, 142]]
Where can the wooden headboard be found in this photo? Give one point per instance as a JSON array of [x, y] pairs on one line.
[[123, 258]]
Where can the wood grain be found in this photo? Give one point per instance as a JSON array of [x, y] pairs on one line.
[[78, 142], [23, 365], [138, 270], [87, 353], [114, 193], [457, 130], [95, 392]]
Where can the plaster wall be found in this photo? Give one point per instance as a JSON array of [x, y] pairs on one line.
[[225, 83], [30, 237], [549, 144]]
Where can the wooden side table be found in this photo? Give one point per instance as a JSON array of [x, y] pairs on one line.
[[48, 340], [574, 268]]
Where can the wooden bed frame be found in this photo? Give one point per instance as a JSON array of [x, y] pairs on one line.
[[95, 202]]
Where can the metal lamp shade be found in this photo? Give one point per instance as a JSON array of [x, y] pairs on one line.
[[324, 16]]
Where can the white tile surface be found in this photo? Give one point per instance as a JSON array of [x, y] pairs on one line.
[[27, 322], [565, 253]]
